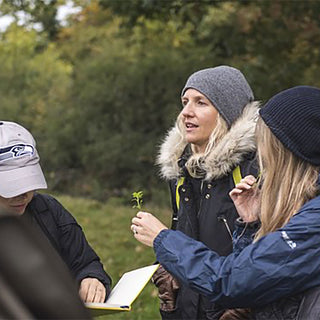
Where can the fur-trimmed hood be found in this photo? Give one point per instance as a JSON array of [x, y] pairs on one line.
[[228, 153]]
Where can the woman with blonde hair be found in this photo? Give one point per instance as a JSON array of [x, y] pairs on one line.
[[203, 156], [283, 260]]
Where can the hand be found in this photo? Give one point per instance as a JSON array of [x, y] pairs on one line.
[[246, 198], [146, 227], [92, 290], [168, 288]]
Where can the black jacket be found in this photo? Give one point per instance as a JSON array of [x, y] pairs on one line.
[[304, 306], [206, 212], [67, 237]]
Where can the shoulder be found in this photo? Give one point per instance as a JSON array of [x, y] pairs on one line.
[[48, 205], [312, 205], [41, 202], [45, 198], [308, 214], [305, 224]]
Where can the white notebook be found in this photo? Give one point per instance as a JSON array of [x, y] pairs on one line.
[[125, 291]]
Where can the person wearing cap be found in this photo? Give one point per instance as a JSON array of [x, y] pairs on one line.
[[20, 177], [278, 274], [211, 144]]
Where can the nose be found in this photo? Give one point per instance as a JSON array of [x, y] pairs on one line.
[[188, 110]]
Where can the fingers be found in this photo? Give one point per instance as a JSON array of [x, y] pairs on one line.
[[135, 229], [249, 179], [135, 221], [239, 188], [247, 187], [138, 220], [245, 184], [92, 290], [142, 214]]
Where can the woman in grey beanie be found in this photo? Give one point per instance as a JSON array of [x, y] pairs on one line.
[[203, 156]]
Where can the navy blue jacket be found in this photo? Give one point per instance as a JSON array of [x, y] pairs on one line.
[[280, 264], [67, 237]]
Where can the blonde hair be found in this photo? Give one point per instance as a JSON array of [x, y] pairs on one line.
[[287, 181], [194, 162]]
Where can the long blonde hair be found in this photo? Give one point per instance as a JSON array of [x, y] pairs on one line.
[[287, 181], [194, 162]]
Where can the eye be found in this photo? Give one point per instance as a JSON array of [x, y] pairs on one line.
[[184, 102], [202, 103]]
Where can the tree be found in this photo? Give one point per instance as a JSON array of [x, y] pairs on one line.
[[102, 92], [33, 85], [126, 94], [35, 12], [272, 42]]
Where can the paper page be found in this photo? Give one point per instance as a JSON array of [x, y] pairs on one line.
[[130, 285], [127, 289]]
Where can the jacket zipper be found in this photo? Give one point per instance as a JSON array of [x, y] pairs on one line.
[[200, 204], [223, 218]]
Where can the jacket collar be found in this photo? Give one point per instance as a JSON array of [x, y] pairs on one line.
[[227, 154]]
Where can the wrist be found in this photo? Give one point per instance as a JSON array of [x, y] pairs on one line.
[[158, 239]]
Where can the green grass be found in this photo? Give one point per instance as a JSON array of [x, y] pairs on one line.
[[107, 228]]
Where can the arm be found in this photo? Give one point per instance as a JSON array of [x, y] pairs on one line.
[[282, 263], [263, 272], [80, 257]]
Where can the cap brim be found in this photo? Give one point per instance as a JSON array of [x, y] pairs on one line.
[[18, 181]]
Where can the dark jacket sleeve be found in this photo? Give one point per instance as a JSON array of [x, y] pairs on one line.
[[282, 263], [74, 247]]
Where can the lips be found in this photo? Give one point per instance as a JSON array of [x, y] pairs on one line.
[[18, 205], [190, 125]]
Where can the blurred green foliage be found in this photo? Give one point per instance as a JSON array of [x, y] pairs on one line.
[[43, 12], [100, 93]]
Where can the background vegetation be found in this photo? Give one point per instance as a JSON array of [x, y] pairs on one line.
[[100, 91]]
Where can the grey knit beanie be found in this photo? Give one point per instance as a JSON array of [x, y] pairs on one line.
[[225, 87]]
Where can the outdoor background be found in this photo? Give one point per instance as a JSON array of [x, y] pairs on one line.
[[100, 88]]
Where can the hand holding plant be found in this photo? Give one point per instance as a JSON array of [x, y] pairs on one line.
[[145, 226]]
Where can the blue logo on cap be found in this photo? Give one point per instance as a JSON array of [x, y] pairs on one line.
[[16, 151]]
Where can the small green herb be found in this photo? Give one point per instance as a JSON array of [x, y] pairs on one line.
[[137, 199]]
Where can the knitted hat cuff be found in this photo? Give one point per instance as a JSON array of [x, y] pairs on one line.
[[225, 87], [293, 116]]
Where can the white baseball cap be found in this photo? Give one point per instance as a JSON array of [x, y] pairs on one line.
[[20, 170]]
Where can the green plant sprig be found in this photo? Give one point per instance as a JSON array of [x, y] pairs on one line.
[[137, 199]]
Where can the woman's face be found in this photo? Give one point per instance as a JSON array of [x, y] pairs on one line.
[[16, 205], [199, 118]]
